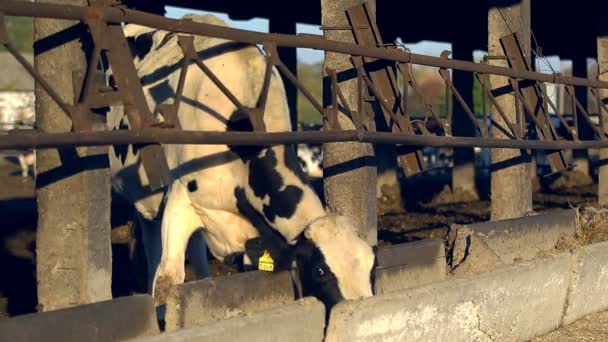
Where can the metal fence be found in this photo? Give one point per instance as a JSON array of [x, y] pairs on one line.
[[377, 66]]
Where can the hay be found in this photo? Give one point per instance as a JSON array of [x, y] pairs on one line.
[[591, 225]]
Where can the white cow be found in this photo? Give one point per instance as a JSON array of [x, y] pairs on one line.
[[311, 160], [17, 112], [244, 200]]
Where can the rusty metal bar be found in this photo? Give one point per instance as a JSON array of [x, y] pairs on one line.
[[361, 93], [383, 103], [449, 103], [120, 15], [183, 44], [332, 111], [89, 77], [573, 133], [600, 103], [570, 90], [531, 99], [445, 125], [285, 71], [263, 97], [218, 83], [588, 119], [66, 108], [354, 116], [519, 120], [525, 106], [493, 101], [484, 112], [24, 139], [461, 101], [405, 75], [582, 110]]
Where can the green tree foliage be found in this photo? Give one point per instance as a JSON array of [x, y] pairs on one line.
[[311, 76], [20, 32], [478, 99]]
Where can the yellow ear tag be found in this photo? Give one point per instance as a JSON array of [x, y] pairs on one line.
[[266, 263]]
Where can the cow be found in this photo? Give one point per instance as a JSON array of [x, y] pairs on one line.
[[245, 203], [311, 155], [17, 112]]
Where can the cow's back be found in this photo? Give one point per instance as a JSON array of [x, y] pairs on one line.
[[203, 107]]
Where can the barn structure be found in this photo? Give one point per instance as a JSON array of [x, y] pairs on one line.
[[74, 261]]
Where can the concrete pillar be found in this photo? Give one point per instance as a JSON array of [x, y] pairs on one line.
[[348, 168], [463, 173], [290, 58], [73, 255], [602, 61], [511, 189], [581, 157]]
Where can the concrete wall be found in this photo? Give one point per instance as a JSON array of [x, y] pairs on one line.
[[482, 246], [512, 303], [112, 320], [303, 320], [213, 299], [410, 264], [589, 288]]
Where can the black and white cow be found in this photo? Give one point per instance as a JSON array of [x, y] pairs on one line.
[[311, 155], [244, 200], [17, 112]]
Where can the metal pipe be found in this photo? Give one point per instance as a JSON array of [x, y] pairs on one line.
[[30, 139], [43, 83], [119, 15]]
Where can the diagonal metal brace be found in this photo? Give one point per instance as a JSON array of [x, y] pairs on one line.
[[112, 39], [532, 100]]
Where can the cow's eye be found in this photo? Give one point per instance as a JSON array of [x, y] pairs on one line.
[[320, 271]]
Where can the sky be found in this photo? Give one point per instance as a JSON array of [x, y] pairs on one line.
[[314, 56], [304, 55]]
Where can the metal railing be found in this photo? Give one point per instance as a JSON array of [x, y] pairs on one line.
[[97, 17]]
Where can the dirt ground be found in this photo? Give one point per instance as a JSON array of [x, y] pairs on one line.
[[590, 328], [429, 211], [431, 207]]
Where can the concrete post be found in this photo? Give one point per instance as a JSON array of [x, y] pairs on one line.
[[602, 61], [348, 168], [290, 59], [73, 252], [511, 189], [463, 173], [581, 157]]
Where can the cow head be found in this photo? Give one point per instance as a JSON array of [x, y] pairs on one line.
[[332, 262]]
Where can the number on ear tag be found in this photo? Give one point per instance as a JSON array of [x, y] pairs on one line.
[[266, 263]]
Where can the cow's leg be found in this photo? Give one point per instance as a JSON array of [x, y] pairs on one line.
[[197, 255], [23, 164], [179, 222]]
